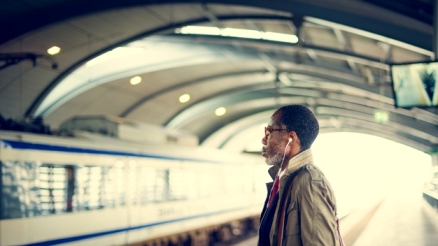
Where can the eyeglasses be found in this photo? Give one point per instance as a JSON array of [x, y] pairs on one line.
[[268, 131]]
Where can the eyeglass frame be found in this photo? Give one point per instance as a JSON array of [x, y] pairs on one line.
[[269, 130]]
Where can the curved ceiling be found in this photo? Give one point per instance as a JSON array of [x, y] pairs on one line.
[[339, 68]]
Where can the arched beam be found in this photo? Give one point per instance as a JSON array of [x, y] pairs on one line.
[[225, 98], [398, 124], [385, 132], [336, 100], [319, 50], [226, 134]]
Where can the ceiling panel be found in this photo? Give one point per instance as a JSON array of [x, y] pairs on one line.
[[74, 106], [399, 55], [235, 9], [365, 46], [155, 112], [109, 101], [278, 26], [322, 36]]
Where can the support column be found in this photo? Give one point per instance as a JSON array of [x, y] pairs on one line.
[[434, 169], [298, 23], [435, 30], [430, 193]]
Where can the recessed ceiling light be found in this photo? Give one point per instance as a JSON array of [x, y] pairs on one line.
[[381, 117], [220, 111], [53, 50], [135, 80], [184, 98]]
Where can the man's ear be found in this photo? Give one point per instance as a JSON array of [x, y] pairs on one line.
[[293, 135]]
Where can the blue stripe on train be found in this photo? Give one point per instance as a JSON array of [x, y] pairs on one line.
[[5, 144], [104, 233]]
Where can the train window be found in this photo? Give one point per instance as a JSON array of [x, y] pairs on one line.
[[177, 187], [205, 183], [119, 174], [161, 185], [146, 184], [19, 189], [90, 187], [100, 187], [233, 183], [52, 185], [143, 185], [153, 184], [132, 182], [108, 188], [191, 184]]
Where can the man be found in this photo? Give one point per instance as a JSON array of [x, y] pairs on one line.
[[300, 208]]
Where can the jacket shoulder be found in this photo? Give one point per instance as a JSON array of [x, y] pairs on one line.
[[314, 172]]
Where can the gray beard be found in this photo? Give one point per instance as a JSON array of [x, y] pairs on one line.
[[275, 160]]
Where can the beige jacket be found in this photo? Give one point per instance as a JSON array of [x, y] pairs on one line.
[[310, 216]]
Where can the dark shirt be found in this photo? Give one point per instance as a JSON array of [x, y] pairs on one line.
[[266, 223]]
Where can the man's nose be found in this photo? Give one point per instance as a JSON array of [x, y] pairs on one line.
[[264, 140]]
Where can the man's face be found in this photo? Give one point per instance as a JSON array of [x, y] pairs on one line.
[[273, 144]]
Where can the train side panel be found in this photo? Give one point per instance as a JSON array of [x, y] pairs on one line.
[[67, 195]]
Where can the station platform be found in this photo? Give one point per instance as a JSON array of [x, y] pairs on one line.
[[402, 219]]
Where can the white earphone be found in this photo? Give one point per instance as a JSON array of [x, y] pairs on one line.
[[284, 153]]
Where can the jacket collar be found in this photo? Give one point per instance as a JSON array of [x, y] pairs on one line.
[[295, 163], [273, 171]]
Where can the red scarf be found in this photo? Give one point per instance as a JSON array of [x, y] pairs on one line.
[[274, 190]]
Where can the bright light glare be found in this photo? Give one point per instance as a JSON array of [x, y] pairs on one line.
[[54, 50], [135, 80], [220, 111], [184, 98], [281, 37], [115, 53], [369, 168], [241, 33], [202, 30], [238, 33]]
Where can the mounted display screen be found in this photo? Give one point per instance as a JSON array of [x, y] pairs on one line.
[[414, 84]]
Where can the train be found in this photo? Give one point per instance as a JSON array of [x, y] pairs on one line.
[[91, 189]]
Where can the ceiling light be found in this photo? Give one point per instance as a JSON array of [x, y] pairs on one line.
[[53, 50], [381, 117], [220, 111], [184, 98], [202, 30], [135, 80], [241, 33], [238, 33], [281, 37]]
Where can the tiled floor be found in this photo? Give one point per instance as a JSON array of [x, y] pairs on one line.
[[402, 220]]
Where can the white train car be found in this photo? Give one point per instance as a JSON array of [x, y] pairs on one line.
[[104, 191]]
